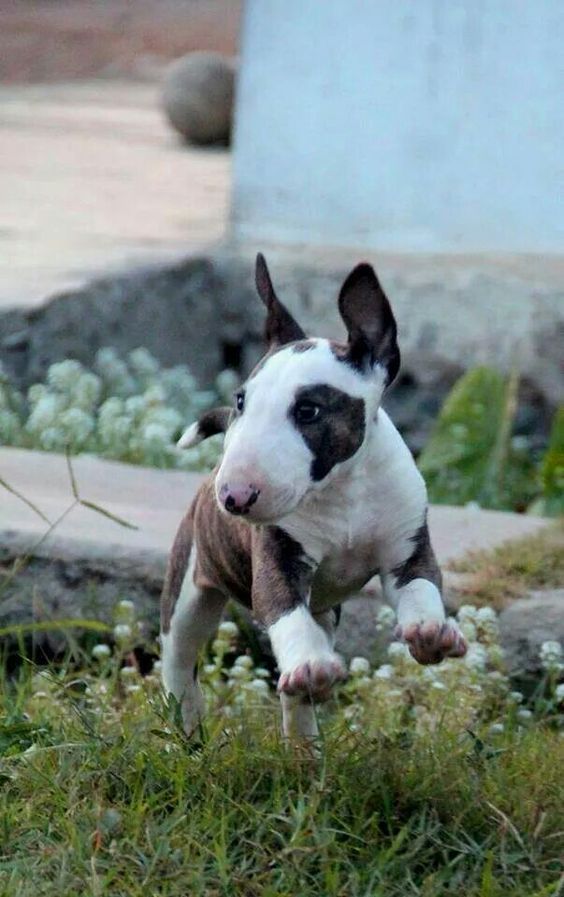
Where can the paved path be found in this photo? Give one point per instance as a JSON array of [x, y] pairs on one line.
[[155, 500], [93, 180]]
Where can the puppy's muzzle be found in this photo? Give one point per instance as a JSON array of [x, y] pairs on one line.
[[238, 499]]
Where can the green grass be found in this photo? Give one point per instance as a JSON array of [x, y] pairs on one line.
[[101, 794], [509, 571]]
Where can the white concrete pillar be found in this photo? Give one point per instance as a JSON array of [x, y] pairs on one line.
[[402, 125]]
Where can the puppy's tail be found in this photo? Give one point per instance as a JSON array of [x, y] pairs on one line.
[[209, 424]]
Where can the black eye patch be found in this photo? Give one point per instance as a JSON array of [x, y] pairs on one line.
[[334, 431]]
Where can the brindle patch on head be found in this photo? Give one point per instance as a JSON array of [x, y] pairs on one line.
[[303, 345], [282, 574], [422, 563], [338, 430]]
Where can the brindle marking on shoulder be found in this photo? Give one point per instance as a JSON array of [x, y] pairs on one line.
[[223, 547], [282, 574], [177, 566], [421, 563]]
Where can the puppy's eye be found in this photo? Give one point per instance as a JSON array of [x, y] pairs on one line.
[[306, 412], [239, 401]]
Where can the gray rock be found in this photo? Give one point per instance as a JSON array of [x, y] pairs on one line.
[[526, 624], [198, 97], [175, 311]]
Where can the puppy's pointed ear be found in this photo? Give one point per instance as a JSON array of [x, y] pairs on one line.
[[280, 326], [370, 322]]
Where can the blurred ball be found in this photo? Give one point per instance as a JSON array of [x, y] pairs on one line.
[[198, 97]]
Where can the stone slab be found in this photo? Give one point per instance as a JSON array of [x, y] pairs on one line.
[[83, 565], [98, 183], [154, 501]]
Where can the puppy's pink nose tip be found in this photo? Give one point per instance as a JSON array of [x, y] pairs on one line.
[[239, 498]]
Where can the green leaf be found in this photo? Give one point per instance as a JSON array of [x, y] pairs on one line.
[[465, 455], [552, 470]]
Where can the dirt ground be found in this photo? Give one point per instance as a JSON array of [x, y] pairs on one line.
[[60, 40]]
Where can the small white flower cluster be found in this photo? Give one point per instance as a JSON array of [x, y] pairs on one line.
[[397, 696], [245, 682], [126, 410], [401, 690], [551, 657]]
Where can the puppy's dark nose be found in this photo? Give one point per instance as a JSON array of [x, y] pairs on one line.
[[237, 499]]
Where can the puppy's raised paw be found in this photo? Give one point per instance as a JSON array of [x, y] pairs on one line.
[[430, 642], [314, 678]]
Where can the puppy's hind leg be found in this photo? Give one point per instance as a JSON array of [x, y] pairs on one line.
[[195, 618]]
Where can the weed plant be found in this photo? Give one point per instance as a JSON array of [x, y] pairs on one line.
[[425, 781]]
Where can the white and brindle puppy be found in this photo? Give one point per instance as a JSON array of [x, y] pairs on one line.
[[315, 494]]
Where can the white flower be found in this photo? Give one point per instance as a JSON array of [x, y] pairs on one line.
[[262, 673], [486, 615], [438, 685], [496, 728], [63, 375], [524, 715], [45, 413], [238, 672], [551, 655], [228, 629], [468, 630], [129, 672], [476, 657], [132, 688], [258, 686], [515, 697], [244, 661], [87, 391], [385, 618], [559, 692], [155, 436], [398, 651], [101, 651], [125, 612], [122, 632], [77, 426], [386, 671], [467, 612], [209, 669], [359, 666]]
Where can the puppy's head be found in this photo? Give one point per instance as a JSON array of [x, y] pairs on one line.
[[303, 413]]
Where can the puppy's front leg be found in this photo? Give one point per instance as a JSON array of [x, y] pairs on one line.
[[414, 588], [302, 645]]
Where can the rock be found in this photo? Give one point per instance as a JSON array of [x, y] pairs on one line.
[[198, 97], [526, 624], [171, 310]]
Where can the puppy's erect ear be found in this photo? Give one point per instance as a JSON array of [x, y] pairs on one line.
[[370, 322], [280, 326]]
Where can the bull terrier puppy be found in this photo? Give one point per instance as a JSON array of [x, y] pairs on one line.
[[315, 494]]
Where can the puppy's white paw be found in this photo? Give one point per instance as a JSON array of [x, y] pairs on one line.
[[313, 677], [432, 641]]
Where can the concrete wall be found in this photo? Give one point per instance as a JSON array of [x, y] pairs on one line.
[[402, 125]]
